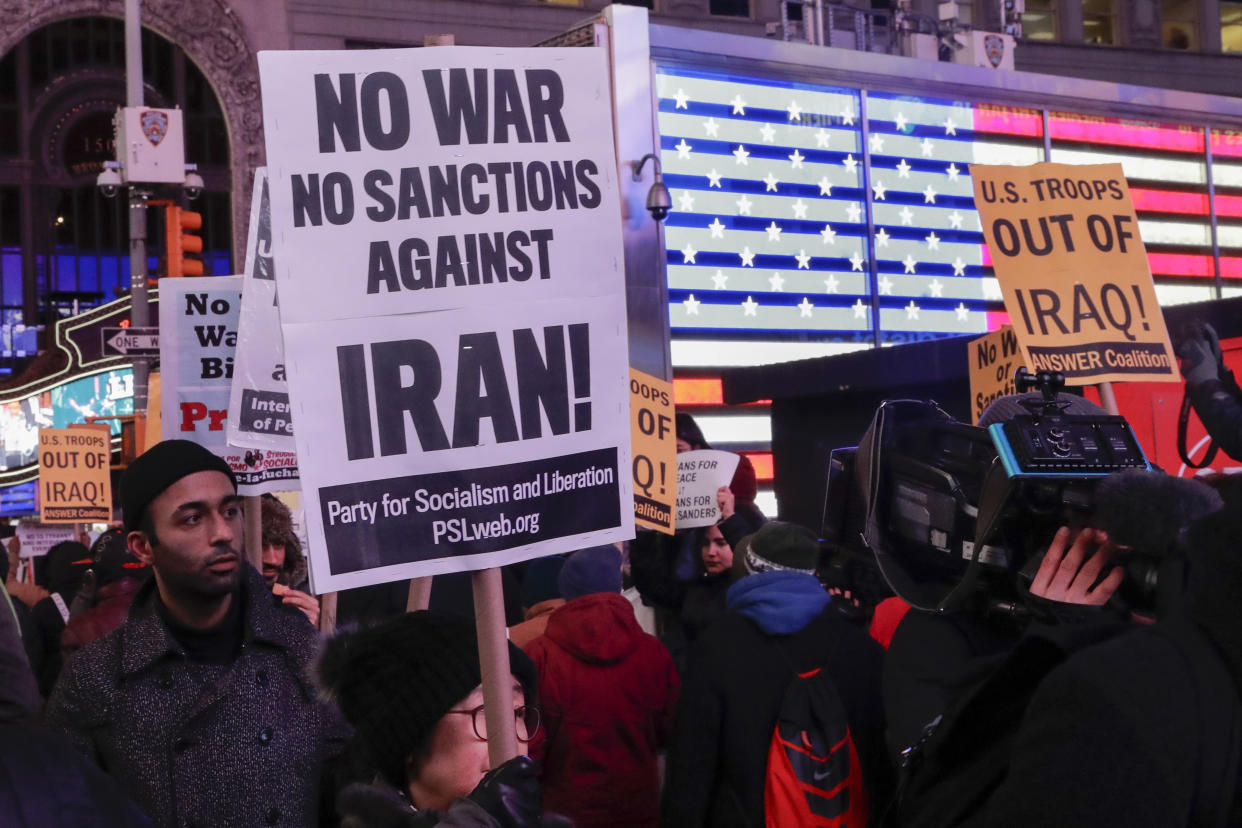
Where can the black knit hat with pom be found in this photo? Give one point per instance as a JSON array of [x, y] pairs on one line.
[[395, 681]]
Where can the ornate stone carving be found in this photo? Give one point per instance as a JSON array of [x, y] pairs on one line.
[[211, 36]]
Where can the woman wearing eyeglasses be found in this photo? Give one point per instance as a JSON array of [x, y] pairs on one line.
[[411, 687]]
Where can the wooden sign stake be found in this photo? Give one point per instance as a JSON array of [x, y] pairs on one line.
[[489, 622]]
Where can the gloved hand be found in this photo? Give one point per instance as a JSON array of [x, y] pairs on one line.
[[511, 793], [1199, 352]]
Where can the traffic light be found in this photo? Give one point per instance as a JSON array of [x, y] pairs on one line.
[[178, 241]]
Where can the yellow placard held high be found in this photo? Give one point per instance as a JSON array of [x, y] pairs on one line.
[[1065, 246], [74, 480], [653, 439]]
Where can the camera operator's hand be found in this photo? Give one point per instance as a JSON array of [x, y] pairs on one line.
[[725, 500], [1200, 355], [1063, 575]]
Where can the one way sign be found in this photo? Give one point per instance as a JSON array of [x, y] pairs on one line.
[[130, 341]]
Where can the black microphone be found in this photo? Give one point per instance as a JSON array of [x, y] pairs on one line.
[[1149, 510]]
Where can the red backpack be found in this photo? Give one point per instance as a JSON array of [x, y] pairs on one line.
[[814, 778]]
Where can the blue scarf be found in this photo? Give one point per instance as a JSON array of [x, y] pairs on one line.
[[781, 602]]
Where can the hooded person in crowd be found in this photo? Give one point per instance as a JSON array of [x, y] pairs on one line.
[[118, 575], [608, 692], [67, 563], [284, 566], [193, 702], [541, 596], [778, 625], [412, 689]]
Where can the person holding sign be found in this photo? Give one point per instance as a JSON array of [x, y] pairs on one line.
[[202, 688]]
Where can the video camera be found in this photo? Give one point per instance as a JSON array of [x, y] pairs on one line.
[[952, 512]]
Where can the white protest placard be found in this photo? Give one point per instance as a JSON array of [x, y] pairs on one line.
[[198, 341], [446, 229], [37, 538], [699, 474], [259, 398]]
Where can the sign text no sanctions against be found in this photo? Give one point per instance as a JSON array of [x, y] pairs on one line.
[[475, 108]]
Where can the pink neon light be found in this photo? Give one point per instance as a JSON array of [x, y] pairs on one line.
[[996, 319], [1227, 143], [987, 256], [1117, 133], [1008, 121]]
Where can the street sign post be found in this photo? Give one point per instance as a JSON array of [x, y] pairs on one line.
[[130, 341]]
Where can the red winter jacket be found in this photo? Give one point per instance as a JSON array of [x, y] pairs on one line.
[[608, 691]]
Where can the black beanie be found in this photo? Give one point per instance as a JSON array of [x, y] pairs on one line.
[[158, 468], [395, 681], [781, 545]]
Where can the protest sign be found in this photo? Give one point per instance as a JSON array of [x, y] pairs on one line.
[[75, 484], [653, 441], [448, 257], [994, 360], [1065, 246], [36, 539], [198, 340], [259, 397], [699, 474]]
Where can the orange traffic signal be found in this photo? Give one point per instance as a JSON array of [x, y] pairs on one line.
[[179, 241]]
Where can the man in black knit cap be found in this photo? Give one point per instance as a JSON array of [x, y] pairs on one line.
[[198, 705]]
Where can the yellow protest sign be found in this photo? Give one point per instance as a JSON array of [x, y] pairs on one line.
[[993, 359], [1065, 246], [653, 439], [74, 481]]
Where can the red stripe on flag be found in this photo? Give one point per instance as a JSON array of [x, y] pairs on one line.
[[1119, 133], [762, 461], [1008, 121], [1227, 143], [697, 392], [1164, 201], [1185, 264], [997, 319]]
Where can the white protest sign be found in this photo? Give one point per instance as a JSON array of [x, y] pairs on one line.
[[37, 538], [259, 398], [699, 474], [198, 340], [456, 340]]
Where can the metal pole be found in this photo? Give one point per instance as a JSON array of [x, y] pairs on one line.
[[139, 315]]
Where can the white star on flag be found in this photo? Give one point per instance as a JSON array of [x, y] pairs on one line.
[[681, 97], [953, 171], [881, 238], [962, 311], [717, 228], [906, 216], [860, 310], [771, 182], [936, 288], [928, 147], [739, 105], [748, 258], [749, 307], [711, 127], [909, 263], [830, 284], [825, 186], [685, 202], [857, 261], [900, 120], [805, 307], [795, 160], [741, 155], [687, 254], [878, 189], [847, 117], [776, 282], [768, 133], [683, 149], [799, 209], [854, 212], [959, 267], [822, 138], [885, 285], [774, 232], [877, 142], [713, 178], [692, 305], [903, 169], [830, 235], [804, 261], [743, 205], [929, 195], [720, 280], [955, 219], [851, 163], [950, 128], [933, 241], [795, 111], [912, 310]]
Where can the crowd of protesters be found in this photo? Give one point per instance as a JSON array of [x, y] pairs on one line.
[[157, 679]]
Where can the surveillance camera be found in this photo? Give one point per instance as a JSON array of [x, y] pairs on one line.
[[108, 182], [193, 185], [658, 201]]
